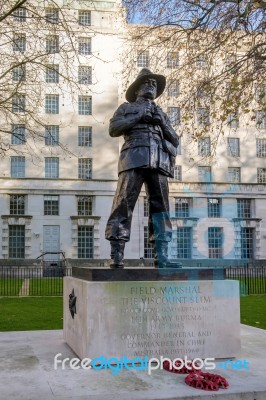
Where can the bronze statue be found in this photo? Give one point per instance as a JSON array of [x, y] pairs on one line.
[[147, 156]]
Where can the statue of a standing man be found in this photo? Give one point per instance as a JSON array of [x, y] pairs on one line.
[[147, 156]]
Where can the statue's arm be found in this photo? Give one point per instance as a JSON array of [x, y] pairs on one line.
[[168, 131], [124, 119]]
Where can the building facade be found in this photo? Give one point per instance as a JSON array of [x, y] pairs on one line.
[[58, 197]]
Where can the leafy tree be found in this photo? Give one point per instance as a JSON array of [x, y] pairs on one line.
[[215, 51]]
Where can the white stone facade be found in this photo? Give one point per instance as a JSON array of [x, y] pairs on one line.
[[67, 237]]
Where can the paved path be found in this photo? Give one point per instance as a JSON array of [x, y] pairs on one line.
[[25, 288], [27, 373]]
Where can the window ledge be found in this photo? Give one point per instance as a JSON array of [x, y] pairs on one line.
[[246, 219], [16, 216], [84, 216], [187, 218]]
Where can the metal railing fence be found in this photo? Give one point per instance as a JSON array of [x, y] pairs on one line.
[[33, 281], [48, 280]]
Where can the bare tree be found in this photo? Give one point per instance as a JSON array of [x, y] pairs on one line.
[[41, 50], [214, 54]]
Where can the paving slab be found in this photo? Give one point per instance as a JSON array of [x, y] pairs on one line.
[[27, 373]]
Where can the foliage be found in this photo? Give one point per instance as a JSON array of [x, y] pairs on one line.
[[215, 51]]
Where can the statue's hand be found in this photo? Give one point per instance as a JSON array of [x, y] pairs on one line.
[[145, 111], [159, 116]]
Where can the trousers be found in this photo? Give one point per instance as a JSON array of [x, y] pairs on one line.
[[128, 188]]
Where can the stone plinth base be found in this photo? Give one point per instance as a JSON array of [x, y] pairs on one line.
[[154, 318]]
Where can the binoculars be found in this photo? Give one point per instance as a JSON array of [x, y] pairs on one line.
[[152, 116]]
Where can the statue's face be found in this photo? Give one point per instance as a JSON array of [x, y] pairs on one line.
[[147, 89]]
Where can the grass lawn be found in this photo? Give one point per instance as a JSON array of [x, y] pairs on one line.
[[46, 287], [252, 310], [10, 287], [37, 313], [31, 313]]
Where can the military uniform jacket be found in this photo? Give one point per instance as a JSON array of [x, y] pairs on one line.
[[146, 145]]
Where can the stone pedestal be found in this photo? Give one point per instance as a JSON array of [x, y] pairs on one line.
[[171, 315]]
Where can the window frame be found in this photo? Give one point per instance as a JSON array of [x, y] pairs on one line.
[[17, 166], [51, 204], [51, 167], [85, 171]]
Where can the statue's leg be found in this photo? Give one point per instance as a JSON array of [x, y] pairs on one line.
[[119, 223], [160, 227]]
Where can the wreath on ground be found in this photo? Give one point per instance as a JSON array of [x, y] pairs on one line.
[[196, 378]]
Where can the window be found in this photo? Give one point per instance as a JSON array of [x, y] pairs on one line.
[[260, 92], [233, 147], [85, 242], [215, 240], [85, 105], [16, 236], [261, 175], [52, 15], [204, 174], [18, 134], [19, 42], [173, 89], [51, 167], [85, 75], [17, 167], [148, 247], [178, 173], [52, 73], [214, 208], [203, 116], [85, 136], [52, 135], [247, 242], [233, 120], [183, 242], [143, 59], [261, 119], [51, 205], [85, 168], [172, 60], [204, 146], [19, 103], [20, 14], [52, 44], [52, 104], [234, 174], [85, 205], [84, 17], [203, 92], [19, 73], [84, 45], [261, 147], [201, 61], [182, 207], [174, 115], [244, 208], [17, 204], [146, 207]]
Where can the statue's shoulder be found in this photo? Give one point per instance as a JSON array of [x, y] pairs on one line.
[[127, 108]]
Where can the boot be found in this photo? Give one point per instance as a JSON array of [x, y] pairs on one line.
[[117, 253], [161, 256]]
